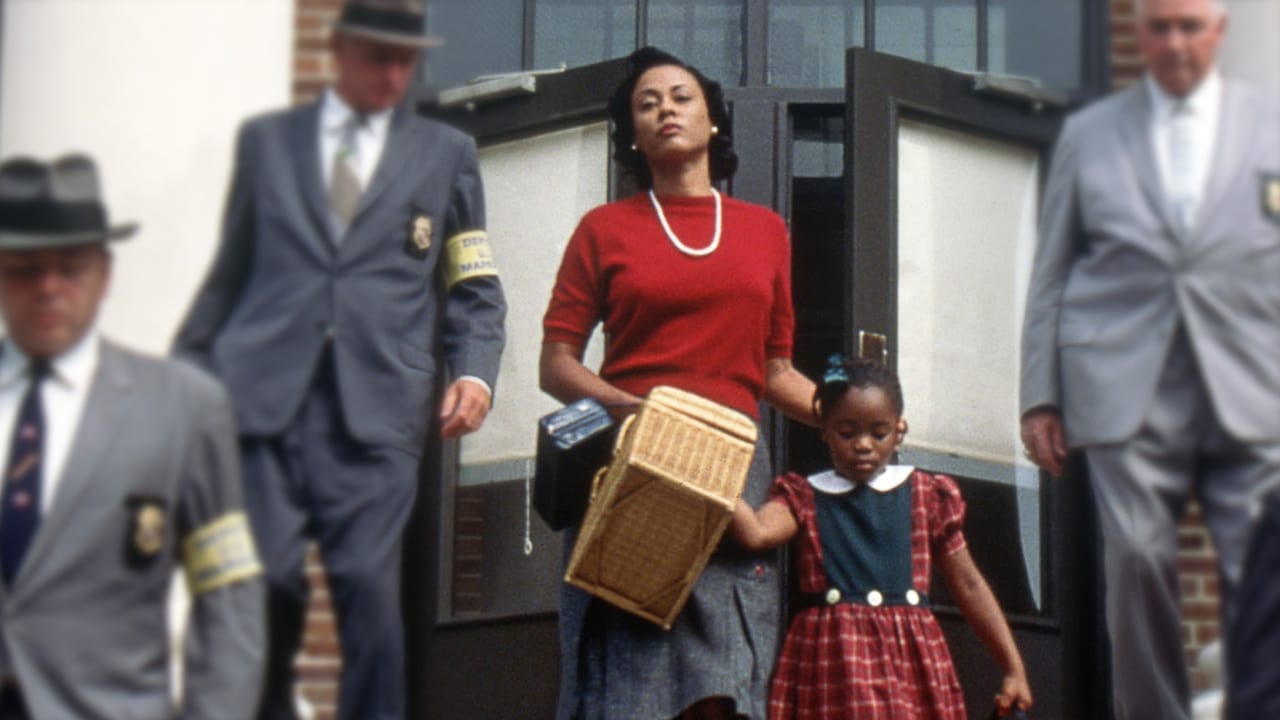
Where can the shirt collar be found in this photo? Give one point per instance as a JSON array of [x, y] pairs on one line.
[[73, 368], [1203, 100], [334, 112], [834, 483]]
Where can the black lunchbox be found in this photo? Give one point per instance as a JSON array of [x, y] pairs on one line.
[[573, 443]]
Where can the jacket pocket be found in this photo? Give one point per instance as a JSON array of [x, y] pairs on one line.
[[418, 357]]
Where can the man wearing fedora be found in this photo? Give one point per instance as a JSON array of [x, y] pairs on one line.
[[353, 311], [118, 468]]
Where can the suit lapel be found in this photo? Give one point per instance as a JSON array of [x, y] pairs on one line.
[[1135, 127], [1229, 151], [99, 421], [304, 156]]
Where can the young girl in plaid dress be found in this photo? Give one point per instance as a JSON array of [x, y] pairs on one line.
[[865, 645]]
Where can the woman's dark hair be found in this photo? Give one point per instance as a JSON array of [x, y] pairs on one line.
[[723, 160], [843, 373]]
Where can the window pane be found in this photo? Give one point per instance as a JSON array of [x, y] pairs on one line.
[[817, 148], [939, 32], [1040, 39], [966, 212], [580, 32], [479, 38], [807, 40], [704, 33]]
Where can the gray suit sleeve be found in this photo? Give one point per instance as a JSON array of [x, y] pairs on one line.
[[225, 644], [221, 289], [475, 312], [1059, 243]]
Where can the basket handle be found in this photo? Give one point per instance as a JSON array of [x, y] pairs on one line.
[[597, 480], [623, 429]]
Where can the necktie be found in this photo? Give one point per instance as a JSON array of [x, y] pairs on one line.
[[344, 181], [1182, 190], [20, 512]]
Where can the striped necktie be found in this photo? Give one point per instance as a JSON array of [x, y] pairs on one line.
[[20, 512], [345, 186]]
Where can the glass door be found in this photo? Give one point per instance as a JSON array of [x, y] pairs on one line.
[[943, 193]]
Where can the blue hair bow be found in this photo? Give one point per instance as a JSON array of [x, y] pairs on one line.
[[836, 371]]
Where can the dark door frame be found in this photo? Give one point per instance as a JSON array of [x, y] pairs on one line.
[[881, 91]]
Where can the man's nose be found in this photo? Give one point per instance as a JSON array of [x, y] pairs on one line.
[[49, 280]]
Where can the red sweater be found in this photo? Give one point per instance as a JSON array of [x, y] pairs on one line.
[[702, 324]]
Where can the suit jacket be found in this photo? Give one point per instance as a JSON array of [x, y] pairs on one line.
[[84, 623], [283, 286], [1114, 277], [1253, 639]]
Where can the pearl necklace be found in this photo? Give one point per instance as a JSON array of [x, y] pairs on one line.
[[715, 239]]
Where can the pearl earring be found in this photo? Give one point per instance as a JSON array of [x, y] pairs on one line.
[[633, 147], [715, 129]]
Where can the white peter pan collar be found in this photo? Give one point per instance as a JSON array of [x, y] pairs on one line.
[[834, 483]]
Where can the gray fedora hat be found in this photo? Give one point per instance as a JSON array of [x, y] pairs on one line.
[[393, 22], [52, 205]]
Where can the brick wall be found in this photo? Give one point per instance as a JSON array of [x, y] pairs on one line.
[[1197, 562], [1126, 65]]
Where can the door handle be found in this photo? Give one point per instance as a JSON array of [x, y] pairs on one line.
[[873, 346]]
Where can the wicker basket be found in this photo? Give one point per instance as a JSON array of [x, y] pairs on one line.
[[659, 509]]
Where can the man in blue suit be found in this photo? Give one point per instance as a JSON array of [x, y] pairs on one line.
[[352, 308]]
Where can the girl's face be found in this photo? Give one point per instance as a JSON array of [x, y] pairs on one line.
[[670, 114], [863, 431]]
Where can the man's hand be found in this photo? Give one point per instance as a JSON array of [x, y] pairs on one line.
[[463, 410], [1043, 439]]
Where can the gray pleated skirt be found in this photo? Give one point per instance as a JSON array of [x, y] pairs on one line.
[[615, 666]]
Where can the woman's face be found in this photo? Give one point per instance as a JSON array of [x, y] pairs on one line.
[[670, 116]]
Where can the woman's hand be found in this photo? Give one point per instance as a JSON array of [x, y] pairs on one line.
[[787, 389]]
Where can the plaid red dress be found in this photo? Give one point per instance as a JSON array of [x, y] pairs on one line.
[[847, 661]]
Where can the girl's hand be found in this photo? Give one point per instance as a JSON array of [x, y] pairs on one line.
[[1014, 693]]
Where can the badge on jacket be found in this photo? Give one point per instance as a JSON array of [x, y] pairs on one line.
[[146, 534], [419, 241], [1271, 196]]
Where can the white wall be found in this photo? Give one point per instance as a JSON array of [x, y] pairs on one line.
[[154, 90], [1251, 49]]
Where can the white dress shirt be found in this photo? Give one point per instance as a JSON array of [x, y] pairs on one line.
[[62, 394], [1203, 107], [371, 137]]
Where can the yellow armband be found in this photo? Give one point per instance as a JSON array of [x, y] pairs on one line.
[[220, 553], [468, 255]]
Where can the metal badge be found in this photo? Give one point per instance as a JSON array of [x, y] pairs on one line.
[[146, 529], [1271, 196], [419, 236]]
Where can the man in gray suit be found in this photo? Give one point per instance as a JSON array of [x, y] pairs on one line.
[[333, 316], [1152, 336], [119, 468]]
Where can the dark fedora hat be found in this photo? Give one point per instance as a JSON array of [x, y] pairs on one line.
[[393, 22], [56, 204]]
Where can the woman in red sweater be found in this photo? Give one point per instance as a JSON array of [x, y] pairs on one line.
[[693, 290]]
